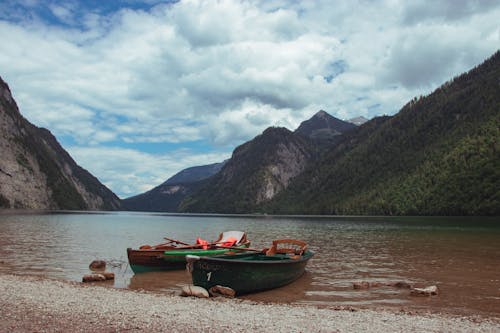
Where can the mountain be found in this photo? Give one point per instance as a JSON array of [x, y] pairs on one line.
[[358, 121], [323, 126], [440, 155], [37, 173], [167, 196], [194, 174], [276, 156], [256, 172]]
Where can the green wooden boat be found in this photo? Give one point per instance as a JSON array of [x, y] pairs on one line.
[[251, 272], [172, 255]]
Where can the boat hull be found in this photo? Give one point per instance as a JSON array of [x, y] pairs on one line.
[[152, 260], [142, 261], [247, 273]]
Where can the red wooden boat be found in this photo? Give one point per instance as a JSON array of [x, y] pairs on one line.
[[171, 255]]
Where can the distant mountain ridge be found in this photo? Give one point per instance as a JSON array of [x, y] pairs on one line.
[[273, 158], [168, 196], [194, 174], [37, 173]]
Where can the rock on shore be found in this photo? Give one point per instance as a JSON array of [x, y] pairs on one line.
[[29, 304]]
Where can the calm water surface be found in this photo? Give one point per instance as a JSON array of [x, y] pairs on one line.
[[459, 255]]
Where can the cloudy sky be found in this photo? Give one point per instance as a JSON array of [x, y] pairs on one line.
[[138, 90]]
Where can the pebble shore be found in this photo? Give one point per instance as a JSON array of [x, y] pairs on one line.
[[34, 304]]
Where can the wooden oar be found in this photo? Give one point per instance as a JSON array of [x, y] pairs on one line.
[[193, 246], [238, 248], [175, 241]]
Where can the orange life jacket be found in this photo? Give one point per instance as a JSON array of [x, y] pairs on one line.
[[231, 241], [202, 242]]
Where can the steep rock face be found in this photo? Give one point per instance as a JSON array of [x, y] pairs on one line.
[[22, 183], [257, 171], [276, 156], [37, 173], [167, 196]]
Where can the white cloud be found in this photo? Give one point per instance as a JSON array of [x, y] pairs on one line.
[[65, 12], [129, 172], [430, 54], [220, 72], [245, 122], [419, 11]]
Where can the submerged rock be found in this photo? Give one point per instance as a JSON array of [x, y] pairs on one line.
[[97, 265], [375, 284], [361, 285], [93, 278], [400, 284], [427, 291], [96, 277]]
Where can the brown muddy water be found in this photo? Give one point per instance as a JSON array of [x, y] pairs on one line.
[[459, 255]]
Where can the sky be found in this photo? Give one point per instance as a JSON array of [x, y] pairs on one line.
[[138, 90]]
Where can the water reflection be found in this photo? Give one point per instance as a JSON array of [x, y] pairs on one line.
[[170, 282], [460, 255]]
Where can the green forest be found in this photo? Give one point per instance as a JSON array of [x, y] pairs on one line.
[[438, 156]]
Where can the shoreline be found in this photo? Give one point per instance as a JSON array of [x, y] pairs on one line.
[[29, 303], [21, 211]]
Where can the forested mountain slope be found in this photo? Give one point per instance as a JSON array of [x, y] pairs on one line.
[[440, 155]]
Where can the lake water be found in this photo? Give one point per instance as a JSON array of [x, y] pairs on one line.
[[459, 255]]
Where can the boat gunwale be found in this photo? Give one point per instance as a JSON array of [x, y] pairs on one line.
[[283, 261], [147, 250], [221, 249]]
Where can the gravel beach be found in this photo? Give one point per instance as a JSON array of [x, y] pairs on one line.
[[33, 304]]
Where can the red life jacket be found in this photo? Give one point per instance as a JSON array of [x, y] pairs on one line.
[[231, 241], [202, 242]]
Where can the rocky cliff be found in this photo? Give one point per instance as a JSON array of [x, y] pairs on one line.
[[37, 173], [256, 172]]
